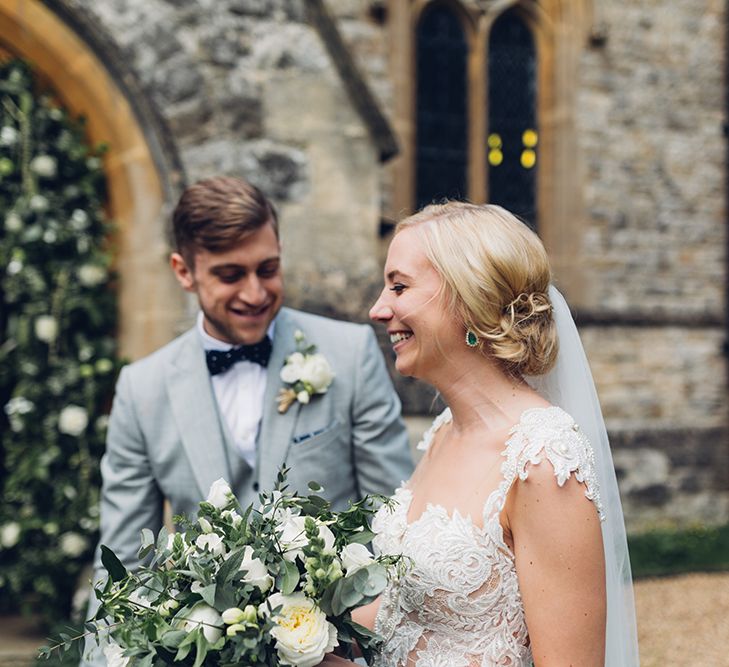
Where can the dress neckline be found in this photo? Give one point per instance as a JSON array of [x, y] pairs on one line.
[[455, 514]]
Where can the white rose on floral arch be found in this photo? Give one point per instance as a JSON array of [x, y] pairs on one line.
[[46, 328], [44, 166], [302, 633], [10, 534], [293, 537], [73, 420], [220, 494], [72, 544], [13, 222], [91, 275]]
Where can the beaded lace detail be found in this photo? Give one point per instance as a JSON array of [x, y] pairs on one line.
[[459, 604]]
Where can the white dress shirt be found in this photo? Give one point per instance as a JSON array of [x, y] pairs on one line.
[[239, 392]]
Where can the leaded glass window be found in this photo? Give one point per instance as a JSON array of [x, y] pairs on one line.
[[512, 118], [442, 128]]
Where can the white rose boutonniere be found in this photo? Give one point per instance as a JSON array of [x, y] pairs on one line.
[[306, 372]]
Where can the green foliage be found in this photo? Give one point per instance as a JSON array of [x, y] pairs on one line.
[[57, 349], [664, 552], [216, 595]]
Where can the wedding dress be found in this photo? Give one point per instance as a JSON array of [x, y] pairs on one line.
[[459, 604]]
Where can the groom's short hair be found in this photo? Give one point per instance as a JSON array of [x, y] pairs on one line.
[[217, 213]]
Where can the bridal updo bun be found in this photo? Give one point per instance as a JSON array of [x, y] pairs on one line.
[[496, 276]]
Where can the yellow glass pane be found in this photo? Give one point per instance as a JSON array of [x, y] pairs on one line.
[[494, 140], [528, 158], [529, 138], [496, 157]]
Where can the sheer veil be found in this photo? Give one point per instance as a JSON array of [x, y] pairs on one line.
[[569, 385]]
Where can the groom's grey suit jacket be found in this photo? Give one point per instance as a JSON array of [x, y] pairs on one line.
[[167, 439]]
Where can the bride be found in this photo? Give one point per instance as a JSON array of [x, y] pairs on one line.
[[512, 518]]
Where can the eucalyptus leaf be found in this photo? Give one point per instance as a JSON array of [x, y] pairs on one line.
[[288, 578], [113, 565]]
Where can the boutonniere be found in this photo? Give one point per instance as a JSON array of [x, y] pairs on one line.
[[306, 372]]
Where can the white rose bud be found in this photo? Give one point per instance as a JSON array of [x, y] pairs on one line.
[[205, 617], [220, 494], [303, 397], [355, 556], [235, 629], [10, 534], [233, 615], [73, 544], [73, 420], [44, 166], [205, 525], [46, 328], [302, 633]]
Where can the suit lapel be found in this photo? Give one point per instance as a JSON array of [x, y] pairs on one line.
[[196, 413], [277, 429]]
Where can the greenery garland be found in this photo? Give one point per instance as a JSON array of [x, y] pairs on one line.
[[58, 357]]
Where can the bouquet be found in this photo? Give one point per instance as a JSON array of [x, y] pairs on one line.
[[269, 586]]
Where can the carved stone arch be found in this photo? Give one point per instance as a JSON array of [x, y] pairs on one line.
[[141, 165]]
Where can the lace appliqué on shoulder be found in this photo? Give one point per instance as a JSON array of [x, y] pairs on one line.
[[443, 418], [551, 432]]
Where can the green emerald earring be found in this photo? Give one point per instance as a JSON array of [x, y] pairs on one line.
[[471, 338]]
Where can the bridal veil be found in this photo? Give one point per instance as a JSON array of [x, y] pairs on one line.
[[570, 386]]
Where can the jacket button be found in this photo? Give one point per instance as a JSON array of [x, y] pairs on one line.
[[255, 486]]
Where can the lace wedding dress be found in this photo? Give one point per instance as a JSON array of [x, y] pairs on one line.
[[459, 604]]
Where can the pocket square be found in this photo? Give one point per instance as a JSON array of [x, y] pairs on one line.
[[307, 436]]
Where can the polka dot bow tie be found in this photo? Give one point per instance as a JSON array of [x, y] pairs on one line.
[[219, 361]]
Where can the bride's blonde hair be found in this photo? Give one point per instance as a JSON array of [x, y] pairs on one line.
[[495, 277]]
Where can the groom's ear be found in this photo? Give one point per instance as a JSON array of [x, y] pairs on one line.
[[182, 271]]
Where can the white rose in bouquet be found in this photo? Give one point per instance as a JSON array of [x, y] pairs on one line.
[[256, 571], [73, 420], [46, 328], [205, 617], [318, 373], [212, 542], [302, 633], [220, 494], [293, 537], [355, 556], [114, 655]]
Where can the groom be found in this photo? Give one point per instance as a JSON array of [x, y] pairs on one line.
[[205, 405]]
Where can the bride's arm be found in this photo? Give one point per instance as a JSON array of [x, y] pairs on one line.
[[560, 566], [366, 615]]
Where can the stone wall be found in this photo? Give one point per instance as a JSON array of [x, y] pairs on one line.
[[247, 87]]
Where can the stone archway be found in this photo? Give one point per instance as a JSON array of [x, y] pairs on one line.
[[149, 301]]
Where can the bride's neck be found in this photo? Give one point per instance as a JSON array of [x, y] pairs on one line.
[[482, 395]]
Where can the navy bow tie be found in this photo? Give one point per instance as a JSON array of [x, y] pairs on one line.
[[219, 361]]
